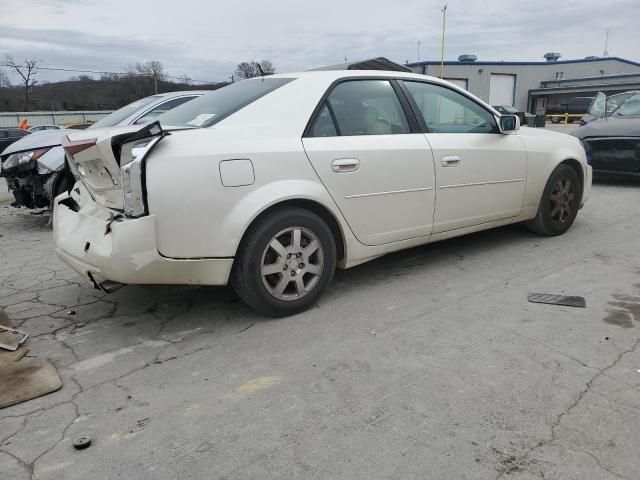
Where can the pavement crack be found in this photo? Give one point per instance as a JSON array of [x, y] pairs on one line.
[[524, 458]]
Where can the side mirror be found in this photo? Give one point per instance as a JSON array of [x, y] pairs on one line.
[[509, 123]]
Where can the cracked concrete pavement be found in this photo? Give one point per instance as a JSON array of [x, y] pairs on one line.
[[427, 363]]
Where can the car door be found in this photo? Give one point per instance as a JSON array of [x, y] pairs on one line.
[[366, 148], [480, 172]]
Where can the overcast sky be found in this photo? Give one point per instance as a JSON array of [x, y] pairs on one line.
[[206, 39]]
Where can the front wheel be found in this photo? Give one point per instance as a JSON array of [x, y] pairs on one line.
[[559, 204], [285, 262]]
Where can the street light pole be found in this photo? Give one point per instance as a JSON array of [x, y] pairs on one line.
[[419, 42], [444, 20]]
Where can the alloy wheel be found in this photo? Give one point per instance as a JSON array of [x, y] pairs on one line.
[[292, 263], [562, 200]]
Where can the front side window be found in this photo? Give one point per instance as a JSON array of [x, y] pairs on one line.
[[363, 107], [447, 111]]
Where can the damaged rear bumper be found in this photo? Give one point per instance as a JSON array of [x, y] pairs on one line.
[[125, 251]]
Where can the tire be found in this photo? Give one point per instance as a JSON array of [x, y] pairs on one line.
[[559, 204], [272, 245]]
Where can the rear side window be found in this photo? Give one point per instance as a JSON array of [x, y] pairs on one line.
[[323, 126], [361, 107]]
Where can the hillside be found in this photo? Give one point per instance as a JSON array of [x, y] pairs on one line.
[[89, 94]]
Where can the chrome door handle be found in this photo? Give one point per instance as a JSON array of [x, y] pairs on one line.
[[450, 161], [344, 165]]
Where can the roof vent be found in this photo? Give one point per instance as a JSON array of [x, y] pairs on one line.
[[552, 56], [467, 58], [591, 57]]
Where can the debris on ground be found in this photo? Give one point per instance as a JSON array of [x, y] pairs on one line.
[[27, 379], [22, 380], [11, 338], [82, 442], [11, 357], [553, 299]]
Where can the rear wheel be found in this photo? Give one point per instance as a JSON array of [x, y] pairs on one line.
[[559, 204], [285, 262]]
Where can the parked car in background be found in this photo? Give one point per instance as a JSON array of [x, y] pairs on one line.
[[612, 143], [603, 106], [41, 128], [270, 183], [34, 166], [575, 106], [11, 135]]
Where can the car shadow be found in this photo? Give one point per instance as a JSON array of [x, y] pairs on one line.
[[424, 257]]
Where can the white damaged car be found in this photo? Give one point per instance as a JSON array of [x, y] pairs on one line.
[[271, 183]]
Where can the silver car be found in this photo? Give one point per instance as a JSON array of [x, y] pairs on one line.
[[34, 166]]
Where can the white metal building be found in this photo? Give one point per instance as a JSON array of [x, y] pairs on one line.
[[530, 86]]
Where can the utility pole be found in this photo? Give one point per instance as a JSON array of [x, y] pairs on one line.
[[606, 44], [155, 81], [419, 42], [444, 22]]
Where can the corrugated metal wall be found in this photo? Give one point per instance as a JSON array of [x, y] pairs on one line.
[[528, 77], [11, 119]]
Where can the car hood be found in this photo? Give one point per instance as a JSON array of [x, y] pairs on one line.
[[49, 138], [538, 132], [610, 127]]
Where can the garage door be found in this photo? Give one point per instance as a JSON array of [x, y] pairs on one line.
[[502, 89], [461, 82]]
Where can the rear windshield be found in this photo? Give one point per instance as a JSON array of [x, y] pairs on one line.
[[116, 117], [210, 109]]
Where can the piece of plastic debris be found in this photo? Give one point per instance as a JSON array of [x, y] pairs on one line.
[[553, 299], [71, 312], [11, 338], [82, 442]]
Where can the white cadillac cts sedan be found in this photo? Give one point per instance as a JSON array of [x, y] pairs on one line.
[[271, 183]]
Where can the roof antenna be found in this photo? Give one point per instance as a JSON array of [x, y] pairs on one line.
[[606, 44]]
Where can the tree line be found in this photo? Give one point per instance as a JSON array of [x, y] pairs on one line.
[[109, 91]]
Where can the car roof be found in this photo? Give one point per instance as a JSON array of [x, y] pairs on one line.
[[330, 76], [180, 93], [338, 74]]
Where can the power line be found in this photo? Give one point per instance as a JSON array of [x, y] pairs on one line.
[[127, 74]]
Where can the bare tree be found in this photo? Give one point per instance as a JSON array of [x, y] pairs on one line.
[[4, 80], [27, 71], [252, 69], [154, 69], [267, 67]]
